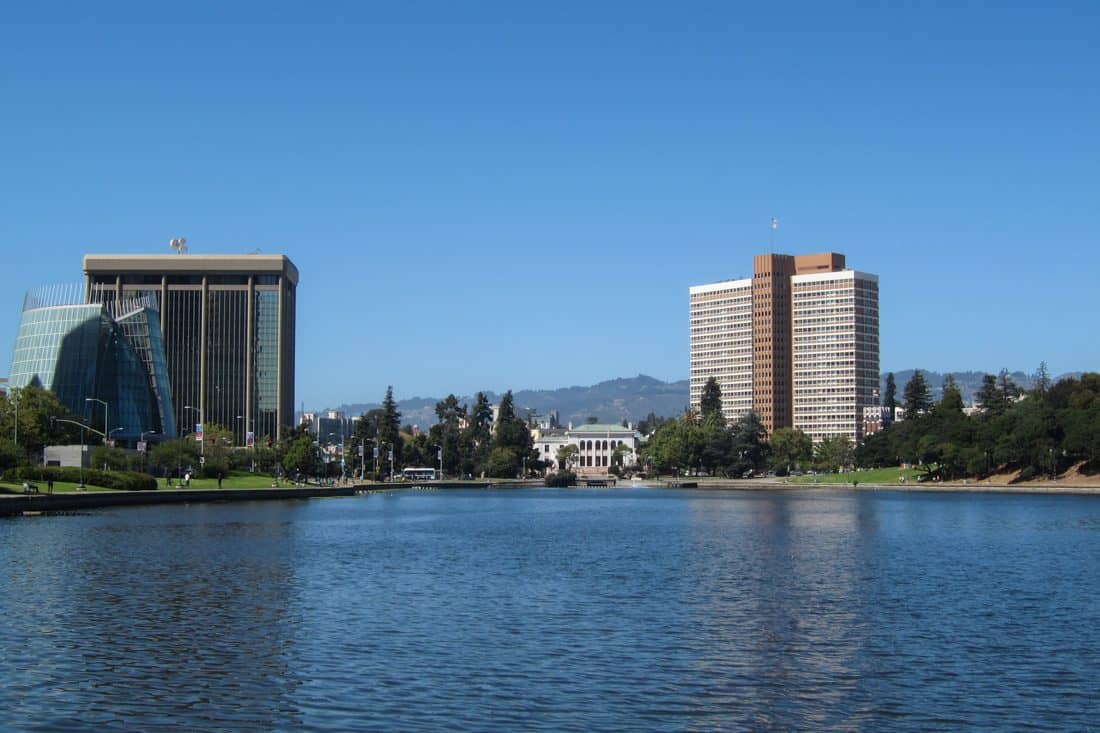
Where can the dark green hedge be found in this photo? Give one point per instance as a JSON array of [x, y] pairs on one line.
[[121, 480], [565, 478]]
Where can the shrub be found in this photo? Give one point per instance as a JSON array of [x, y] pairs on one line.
[[563, 478], [121, 480]]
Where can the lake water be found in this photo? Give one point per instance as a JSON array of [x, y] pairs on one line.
[[557, 610]]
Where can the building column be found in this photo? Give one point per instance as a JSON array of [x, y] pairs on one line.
[[279, 362], [202, 352], [250, 351]]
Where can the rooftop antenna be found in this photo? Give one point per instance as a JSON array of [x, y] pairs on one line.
[[180, 245], [775, 225]]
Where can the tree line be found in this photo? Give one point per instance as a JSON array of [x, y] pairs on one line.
[[704, 442], [471, 441], [466, 437], [1032, 433]]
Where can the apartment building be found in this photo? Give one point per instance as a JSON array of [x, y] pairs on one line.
[[797, 343]]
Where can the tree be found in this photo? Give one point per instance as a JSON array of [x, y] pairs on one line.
[[997, 393], [501, 463], [952, 398], [649, 424], [447, 435], [566, 456], [1009, 389], [618, 458], [300, 457], [717, 444], [675, 445], [389, 427], [11, 455], [710, 403], [989, 397], [108, 458], [918, 398], [217, 445], [1042, 379], [750, 445], [834, 452], [169, 455], [35, 406], [511, 434], [890, 398], [478, 432], [790, 448]]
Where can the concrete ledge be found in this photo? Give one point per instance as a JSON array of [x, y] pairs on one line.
[[17, 504]]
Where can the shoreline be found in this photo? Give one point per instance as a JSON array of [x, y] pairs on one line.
[[33, 504], [938, 487]]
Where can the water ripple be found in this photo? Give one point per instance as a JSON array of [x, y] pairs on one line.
[[552, 610]]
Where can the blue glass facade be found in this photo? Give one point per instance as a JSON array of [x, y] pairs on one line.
[[108, 352]]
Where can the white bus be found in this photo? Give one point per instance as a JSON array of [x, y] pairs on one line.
[[418, 474]]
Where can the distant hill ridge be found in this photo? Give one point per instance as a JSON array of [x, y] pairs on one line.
[[629, 398], [633, 398]]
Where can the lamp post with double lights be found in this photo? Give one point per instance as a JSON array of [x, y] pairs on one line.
[[104, 403]]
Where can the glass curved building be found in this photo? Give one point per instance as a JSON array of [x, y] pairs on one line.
[[109, 353]]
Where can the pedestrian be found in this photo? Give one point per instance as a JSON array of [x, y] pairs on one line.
[[219, 479], [187, 479], [49, 485]]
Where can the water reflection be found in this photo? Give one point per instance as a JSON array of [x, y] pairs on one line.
[[551, 610]]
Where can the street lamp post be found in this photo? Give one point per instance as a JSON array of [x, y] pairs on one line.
[[107, 442], [439, 455], [179, 450], [104, 403], [332, 437], [145, 446], [381, 443], [82, 426]]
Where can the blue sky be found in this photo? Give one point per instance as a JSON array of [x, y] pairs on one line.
[[518, 195]]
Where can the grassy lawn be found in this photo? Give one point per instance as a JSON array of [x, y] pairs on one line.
[[869, 476], [242, 480], [59, 487]]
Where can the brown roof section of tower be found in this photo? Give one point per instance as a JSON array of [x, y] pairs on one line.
[[821, 262], [771, 339]]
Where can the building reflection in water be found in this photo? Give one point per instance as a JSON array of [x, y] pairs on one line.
[[779, 609]]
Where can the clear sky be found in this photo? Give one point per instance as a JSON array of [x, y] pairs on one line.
[[518, 195]]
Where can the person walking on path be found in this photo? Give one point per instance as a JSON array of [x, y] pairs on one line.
[[49, 485], [219, 479]]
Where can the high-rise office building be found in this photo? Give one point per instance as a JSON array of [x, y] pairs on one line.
[[228, 323], [797, 343]]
